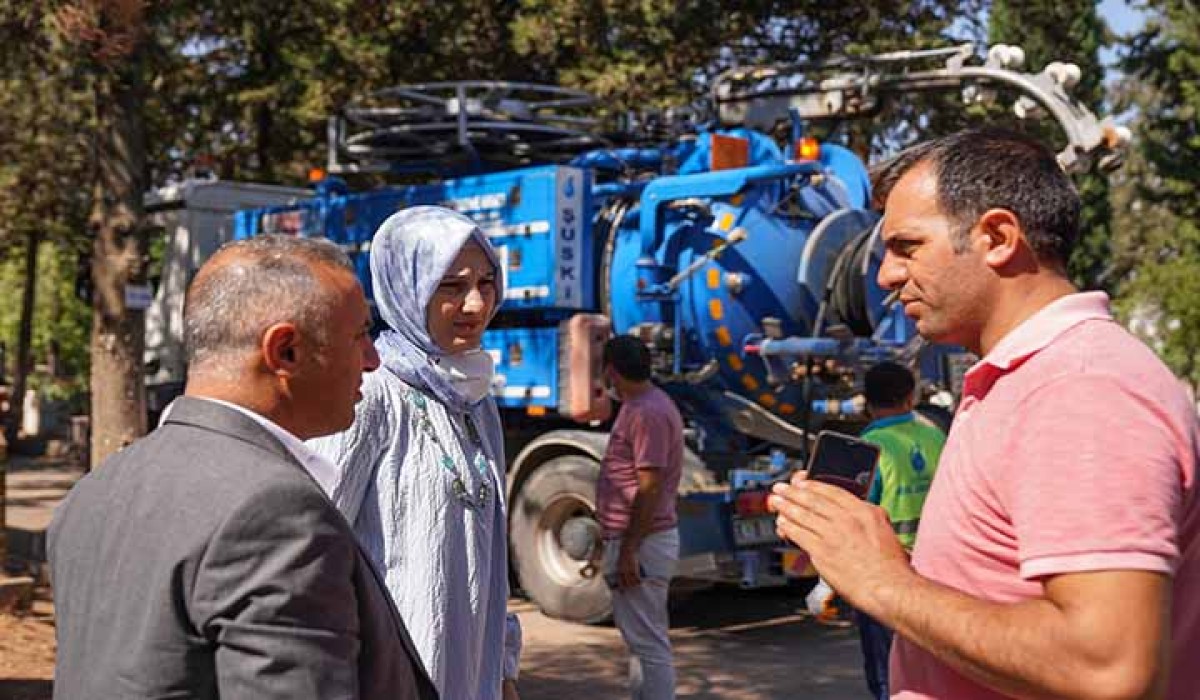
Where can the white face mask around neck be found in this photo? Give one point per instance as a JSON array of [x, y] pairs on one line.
[[471, 372]]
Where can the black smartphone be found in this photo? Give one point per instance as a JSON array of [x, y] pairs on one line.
[[845, 461]]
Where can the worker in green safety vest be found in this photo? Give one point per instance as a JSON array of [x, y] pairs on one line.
[[909, 453], [909, 449]]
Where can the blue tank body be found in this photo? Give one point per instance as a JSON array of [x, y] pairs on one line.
[[701, 263], [776, 206], [753, 285]]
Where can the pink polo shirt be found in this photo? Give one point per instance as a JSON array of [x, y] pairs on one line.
[[1074, 449], [647, 434]]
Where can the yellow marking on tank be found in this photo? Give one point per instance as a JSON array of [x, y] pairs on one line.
[[767, 400], [715, 309], [725, 222], [735, 362], [723, 336], [749, 382], [714, 278]]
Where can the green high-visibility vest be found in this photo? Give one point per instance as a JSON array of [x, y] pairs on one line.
[[909, 454]]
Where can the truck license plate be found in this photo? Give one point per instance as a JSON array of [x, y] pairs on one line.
[[748, 531]]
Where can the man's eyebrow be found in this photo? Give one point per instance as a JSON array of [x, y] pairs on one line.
[[900, 232]]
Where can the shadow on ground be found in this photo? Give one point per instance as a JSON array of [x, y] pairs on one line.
[[729, 644], [20, 689]]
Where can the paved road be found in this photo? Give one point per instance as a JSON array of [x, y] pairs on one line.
[[729, 644], [35, 487]]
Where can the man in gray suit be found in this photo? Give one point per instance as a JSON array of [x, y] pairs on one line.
[[205, 561]]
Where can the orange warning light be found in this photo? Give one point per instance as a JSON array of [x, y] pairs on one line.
[[808, 149]]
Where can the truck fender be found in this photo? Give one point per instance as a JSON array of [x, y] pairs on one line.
[[591, 443], [556, 443]]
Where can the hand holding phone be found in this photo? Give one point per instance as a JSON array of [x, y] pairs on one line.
[[845, 461]]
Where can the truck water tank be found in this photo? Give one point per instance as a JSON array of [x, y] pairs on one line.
[[778, 230]]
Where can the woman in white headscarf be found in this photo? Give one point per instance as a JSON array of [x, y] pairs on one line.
[[421, 471]]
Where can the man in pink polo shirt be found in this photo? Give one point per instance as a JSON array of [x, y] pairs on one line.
[[635, 504], [1059, 550]]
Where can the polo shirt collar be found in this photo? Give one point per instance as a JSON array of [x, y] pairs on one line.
[[889, 421], [1041, 329]]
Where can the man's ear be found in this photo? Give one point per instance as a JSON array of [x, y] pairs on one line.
[[279, 348], [1001, 231]]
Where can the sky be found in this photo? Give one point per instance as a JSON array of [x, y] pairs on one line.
[[1122, 18]]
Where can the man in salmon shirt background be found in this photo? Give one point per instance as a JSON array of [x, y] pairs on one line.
[[635, 504], [1059, 551]]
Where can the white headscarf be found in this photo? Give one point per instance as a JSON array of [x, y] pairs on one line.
[[410, 253]]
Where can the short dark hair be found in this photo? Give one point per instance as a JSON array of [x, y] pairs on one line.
[[628, 356], [886, 173], [981, 169], [888, 385]]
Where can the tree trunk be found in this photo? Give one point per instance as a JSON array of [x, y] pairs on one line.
[[24, 338], [118, 259], [264, 114], [3, 499], [262, 142]]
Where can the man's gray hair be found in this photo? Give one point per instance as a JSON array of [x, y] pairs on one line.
[[260, 282]]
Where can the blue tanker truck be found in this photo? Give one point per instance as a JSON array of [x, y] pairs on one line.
[[740, 251]]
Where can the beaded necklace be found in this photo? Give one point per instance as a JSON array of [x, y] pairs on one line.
[[480, 499]]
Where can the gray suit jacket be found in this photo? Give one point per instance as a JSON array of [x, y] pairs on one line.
[[203, 561]]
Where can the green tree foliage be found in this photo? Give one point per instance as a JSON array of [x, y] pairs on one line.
[[1069, 31], [256, 81], [44, 168], [630, 54], [249, 89], [60, 320], [1159, 195], [233, 83], [640, 54]]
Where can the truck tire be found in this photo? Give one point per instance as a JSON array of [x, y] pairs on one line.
[[552, 523]]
